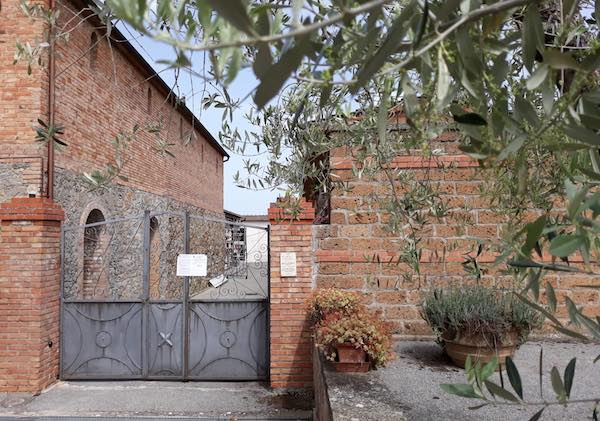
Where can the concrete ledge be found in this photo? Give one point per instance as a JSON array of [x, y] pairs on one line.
[[352, 397]]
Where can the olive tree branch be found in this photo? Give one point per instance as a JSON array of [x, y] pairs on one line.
[[303, 30]]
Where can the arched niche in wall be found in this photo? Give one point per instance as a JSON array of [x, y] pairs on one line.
[[155, 251], [95, 242]]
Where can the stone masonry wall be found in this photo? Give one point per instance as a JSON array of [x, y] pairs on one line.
[[359, 231]]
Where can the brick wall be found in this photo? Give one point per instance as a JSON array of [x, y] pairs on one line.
[[291, 337], [22, 100], [95, 100], [29, 294], [359, 231]]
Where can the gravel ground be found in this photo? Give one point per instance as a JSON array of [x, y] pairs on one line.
[[409, 387], [414, 378]]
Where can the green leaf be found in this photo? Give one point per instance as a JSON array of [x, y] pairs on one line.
[[583, 135], [558, 60], [462, 390], [274, 78], [473, 119], [569, 374], [489, 368], [566, 244], [234, 11], [514, 377], [422, 25], [533, 35], [500, 392], [389, 45], [538, 77], [537, 415], [534, 231], [557, 385], [443, 81], [539, 308], [468, 55], [524, 111], [551, 297]]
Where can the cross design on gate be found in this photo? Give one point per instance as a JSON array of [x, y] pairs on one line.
[[166, 339]]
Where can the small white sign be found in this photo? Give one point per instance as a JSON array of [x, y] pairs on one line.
[[287, 264], [191, 264], [217, 281]]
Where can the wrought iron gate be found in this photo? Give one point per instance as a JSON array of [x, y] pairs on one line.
[[126, 315]]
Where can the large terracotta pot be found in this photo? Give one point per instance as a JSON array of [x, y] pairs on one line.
[[351, 360], [480, 349]]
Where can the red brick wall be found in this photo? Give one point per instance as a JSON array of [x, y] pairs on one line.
[[29, 294], [359, 231], [291, 337], [96, 103], [22, 96]]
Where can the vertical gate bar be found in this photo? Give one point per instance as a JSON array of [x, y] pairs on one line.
[[145, 298], [186, 290], [269, 302], [61, 300]]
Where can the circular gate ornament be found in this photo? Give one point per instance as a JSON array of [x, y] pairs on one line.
[[103, 339], [227, 339]]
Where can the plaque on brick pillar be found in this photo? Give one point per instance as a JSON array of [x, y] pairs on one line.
[[287, 264]]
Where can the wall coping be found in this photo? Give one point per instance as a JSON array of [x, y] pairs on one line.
[[298, 211], [31, 209]]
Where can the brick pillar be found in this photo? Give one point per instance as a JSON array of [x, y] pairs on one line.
[[291, 337], [29, 294]]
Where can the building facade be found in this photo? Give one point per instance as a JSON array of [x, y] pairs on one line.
[[119, 119]]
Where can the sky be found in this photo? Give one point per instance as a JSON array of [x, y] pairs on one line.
[[236, 199]]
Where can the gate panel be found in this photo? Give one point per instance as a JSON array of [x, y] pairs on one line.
[[102, 340], [127, 315], [165, 340], [228, 340]]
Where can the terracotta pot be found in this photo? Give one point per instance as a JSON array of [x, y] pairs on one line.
[[481, 349], [361, 367], [347, 353]]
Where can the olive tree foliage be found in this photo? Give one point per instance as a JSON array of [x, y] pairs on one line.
[[518, 79]]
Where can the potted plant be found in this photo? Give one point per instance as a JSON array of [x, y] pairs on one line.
[[329, 301], [479, 322], [350, 336]]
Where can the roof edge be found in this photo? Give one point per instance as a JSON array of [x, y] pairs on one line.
[[132, 54]]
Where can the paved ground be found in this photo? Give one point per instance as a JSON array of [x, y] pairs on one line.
[[409, 387], [157, 400]]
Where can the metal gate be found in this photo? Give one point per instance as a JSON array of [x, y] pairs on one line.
[[126, 315]]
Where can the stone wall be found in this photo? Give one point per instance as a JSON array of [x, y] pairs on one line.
[[120, 256], [354, 251]]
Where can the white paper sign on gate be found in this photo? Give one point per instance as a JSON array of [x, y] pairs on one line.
[[191, 264], [287, 264]]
